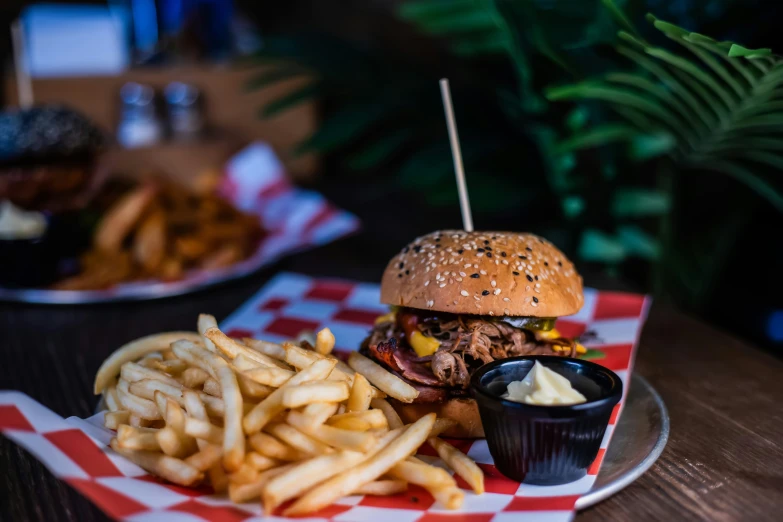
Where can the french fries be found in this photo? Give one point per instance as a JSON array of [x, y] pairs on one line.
[[361, 394], [134, 350], [277, 423], [437, 481], [385, 381], [391, 414], [399, 448], [382, 488], [460, 463], [160, 229], [317, 391], [324, 341]]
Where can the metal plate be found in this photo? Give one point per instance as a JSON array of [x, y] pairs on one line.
[[637, 442]]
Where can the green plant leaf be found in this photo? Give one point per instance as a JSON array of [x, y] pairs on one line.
[[424, 10], [637, 242], [276, 75], [737, 50], [676, 87], [694, 71], [290, 100], [648, 146], [745, 176], [637, 203], [577, 119], [380, 150], [596, 137], [620, 17], [592, 355], [343, 127], [615, 95], [598, 246], [573, 206]]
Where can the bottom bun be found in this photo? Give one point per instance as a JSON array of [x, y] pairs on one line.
[[463, 411]]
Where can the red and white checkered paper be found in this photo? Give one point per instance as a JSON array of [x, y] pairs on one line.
[[76, 450]]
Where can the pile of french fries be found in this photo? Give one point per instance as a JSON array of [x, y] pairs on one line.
[[273, 422], [159, 229]]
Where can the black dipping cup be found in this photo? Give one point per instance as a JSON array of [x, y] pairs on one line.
[[545, 445]]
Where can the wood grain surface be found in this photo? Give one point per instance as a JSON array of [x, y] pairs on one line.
[[724, 459]]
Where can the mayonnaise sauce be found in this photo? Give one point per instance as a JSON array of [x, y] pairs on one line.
[[543, 387]]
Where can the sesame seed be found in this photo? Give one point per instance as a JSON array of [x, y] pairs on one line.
[[479, 254], [480, 250], [505, 262], [515, 273], [546, 263], [489, 249], [491, 312], [467, 265], [464, 293], [460, 251], [474, 276], [503, 254], [536, 278], [538, 285], [497, 291], [535, 299], [442, 285], [483, 272], [475, 265], [399, 275], [493, 283], [506, 299], [427, 282], [528, 249], [446, 273], [534, 304], [476, 297], [459, 279], [430, 303], [529, 278], [527, 288], [454, 301], [560, 263], [522, 257], [485, 292], [463, 274], [505, 311], [401, 264], [487, 242], [489, 254]]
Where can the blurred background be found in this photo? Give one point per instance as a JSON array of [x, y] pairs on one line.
[[631, 133]]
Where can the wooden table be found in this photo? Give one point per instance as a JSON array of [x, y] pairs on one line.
[[724, 459]]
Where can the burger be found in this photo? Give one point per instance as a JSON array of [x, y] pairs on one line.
[[462, 299], [48, 157]]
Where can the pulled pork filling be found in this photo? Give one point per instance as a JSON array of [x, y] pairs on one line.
[[466, 342]]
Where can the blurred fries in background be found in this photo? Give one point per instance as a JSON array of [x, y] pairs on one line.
[[159, 229]]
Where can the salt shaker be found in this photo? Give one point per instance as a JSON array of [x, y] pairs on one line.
[[185, 111], [140, 124]]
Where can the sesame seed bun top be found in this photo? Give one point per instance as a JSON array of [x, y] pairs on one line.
[[483, 273]]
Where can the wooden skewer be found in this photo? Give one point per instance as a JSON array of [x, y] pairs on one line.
[[459, 171]]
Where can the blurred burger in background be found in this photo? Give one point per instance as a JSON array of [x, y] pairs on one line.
[[463, 299], [48, 158]]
